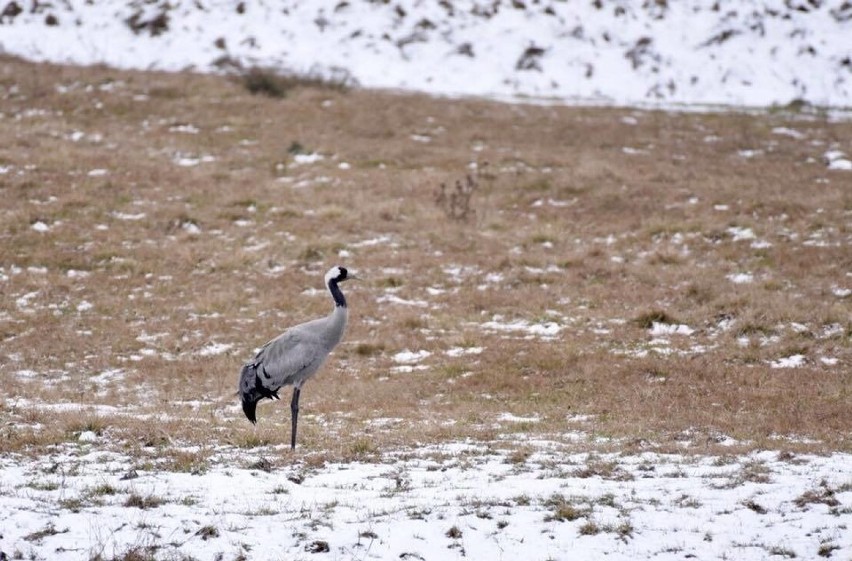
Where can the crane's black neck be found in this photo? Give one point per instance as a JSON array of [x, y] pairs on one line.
[[336, 293]]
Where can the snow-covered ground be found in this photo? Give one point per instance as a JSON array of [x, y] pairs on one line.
[[451, 502], [739, 52]]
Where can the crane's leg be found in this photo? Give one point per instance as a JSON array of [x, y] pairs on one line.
[[294, 411]]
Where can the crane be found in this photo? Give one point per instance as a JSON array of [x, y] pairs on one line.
[[295, 355]]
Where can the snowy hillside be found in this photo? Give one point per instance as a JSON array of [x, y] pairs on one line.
[[745, 52]]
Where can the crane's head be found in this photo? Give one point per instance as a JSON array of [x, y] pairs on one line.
[[338, 274]]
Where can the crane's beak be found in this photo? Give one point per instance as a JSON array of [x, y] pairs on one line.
[[351, 276]]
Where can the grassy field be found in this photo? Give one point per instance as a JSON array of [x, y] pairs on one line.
[[642, 279]]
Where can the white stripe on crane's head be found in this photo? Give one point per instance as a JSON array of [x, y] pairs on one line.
[[336, 273]]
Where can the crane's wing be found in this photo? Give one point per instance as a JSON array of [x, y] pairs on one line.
[[287, 359]]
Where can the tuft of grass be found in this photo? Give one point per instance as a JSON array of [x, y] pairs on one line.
[[48, 530], [454, 533], [183, 461], [522, 500], [265, 82], [827, 549], [782, 552], [752, 505], [104, 489], [825, 495], [43, 485], [603, 469], [363, 447], [646, 320], [519, 456], [624, 529], [135, 500], [262, 465], [589, 528], [136, 553], [318, 546], [562, 510], [369, 349], [74, 504], [207, 532], [272, 83]]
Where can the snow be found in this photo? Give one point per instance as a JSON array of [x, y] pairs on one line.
[[838, 160], [786, 131], [88, 436], [460, 351], [215, 349], [740, 234], [658, 329], [191, 228], [793, 361], [128, 216], [545, 330], [394, 299], [741, 278], [372, 241], [300, 159], [408, 357], [185, 129], [510, 418], [735, 52], [23, 302], [448, 502], [188, 161], [40, 226]]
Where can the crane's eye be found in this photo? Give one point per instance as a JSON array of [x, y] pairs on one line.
[[343, 273]]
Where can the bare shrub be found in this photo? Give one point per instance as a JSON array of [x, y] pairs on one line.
[[457, 203], [273, 83]]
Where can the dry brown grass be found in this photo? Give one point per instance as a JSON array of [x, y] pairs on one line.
[[572, 228]]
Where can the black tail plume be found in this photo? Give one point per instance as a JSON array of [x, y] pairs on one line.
[[249, 393], [252, 390]]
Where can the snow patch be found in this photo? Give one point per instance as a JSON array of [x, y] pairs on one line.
[[837, 160], [460, 351], [510, 418], [409, 357], [393, 299], [658, 329], [793, 361], [213, 349], [40, 226], [740, 278], [545, 330], [740, 234], [303, 159]]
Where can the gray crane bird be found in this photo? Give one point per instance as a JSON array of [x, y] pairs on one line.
[[295, 355]]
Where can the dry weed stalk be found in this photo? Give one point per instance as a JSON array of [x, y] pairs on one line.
[[457, 204]]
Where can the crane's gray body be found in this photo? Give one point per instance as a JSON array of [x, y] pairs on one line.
[[294, 356]]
